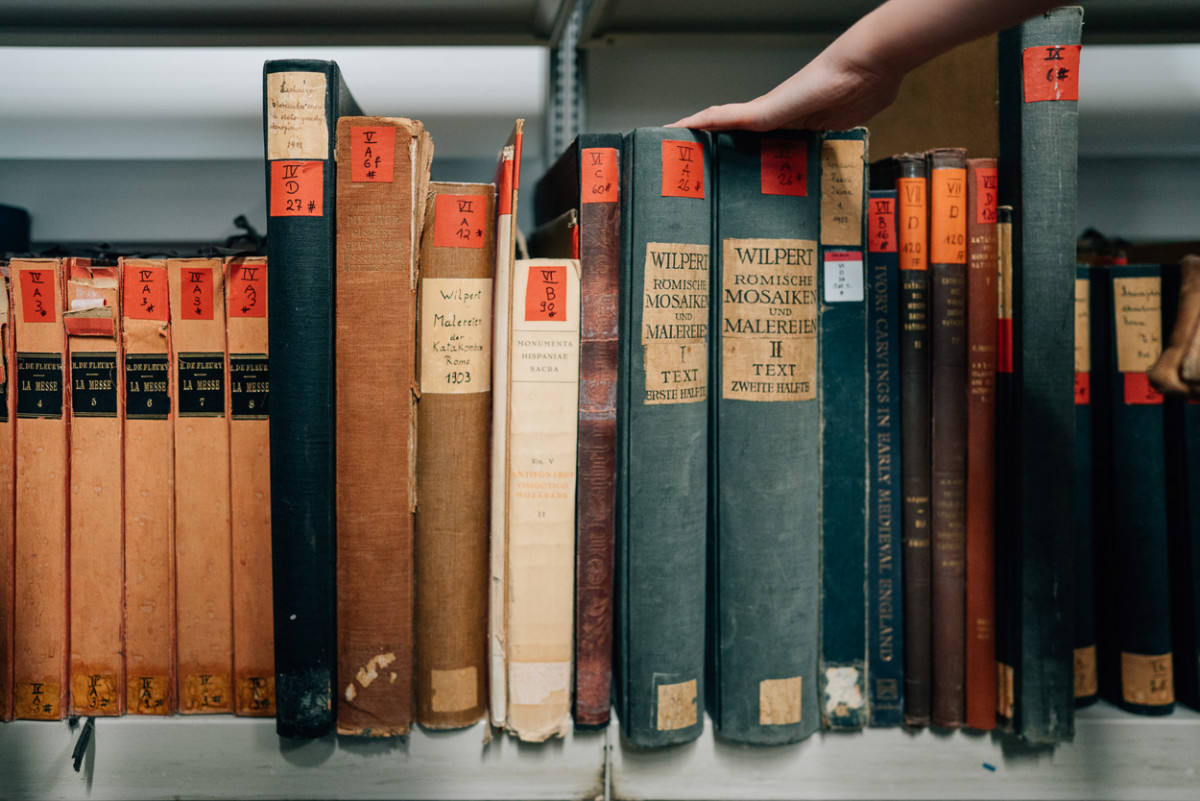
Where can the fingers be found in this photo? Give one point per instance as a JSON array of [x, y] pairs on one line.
[[720, 118]]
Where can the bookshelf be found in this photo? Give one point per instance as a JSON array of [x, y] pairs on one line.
[[642, 67]]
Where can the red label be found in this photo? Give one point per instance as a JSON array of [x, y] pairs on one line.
[[784, 167], [1083, 389], [1138, 391], [504, 199], [546, 293], [196, 290], [948, 216], [881, 219], [145, 295], [985, 195], [1051, 72], [372, 154], [248, 289], [598, 175], [38, 303], [458, 221], [297, 188], [1004, 345], [910, 200], [575, 242], [682, 169]]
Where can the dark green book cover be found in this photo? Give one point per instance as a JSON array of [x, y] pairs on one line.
[[1086, 677], [302, 100], [764, 629], [842, 392], [1038, 95], [662, 434]]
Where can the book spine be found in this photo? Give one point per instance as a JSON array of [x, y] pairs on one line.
[[203, 543], [96, 552], [599, 158], [8, 488], [301, 103], [885, 604], [41, 554], [542, 439], [763, 667], [1007, 587], [248, 399], [149, 481], [1038, 161], [662, 418], [381, 172], [458, 250], [913, 237], [842, 392], [1086, 676]]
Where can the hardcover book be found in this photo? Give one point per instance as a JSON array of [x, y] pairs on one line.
[[8, 488], [1007, 586]]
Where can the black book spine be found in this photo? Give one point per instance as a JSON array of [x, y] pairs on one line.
[[1086, 678]]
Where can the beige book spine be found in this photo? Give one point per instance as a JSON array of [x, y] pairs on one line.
[[7, 497], [203, 545]]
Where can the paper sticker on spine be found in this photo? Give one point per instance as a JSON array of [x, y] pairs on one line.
[[843, 276], [682, 169], [94, 384], [783, 167], [459, 221], [249, 386], [456, 335], [297, 188], [842, 191], [675, 323], [248, 289], [39, 302], [598, 175], [201, 384], [147, 395], [39, 385], [372, 154], [546, 293], [1051, 72], [881, 222], [296, 123], [145, 295]]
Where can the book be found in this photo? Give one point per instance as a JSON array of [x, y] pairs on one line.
[[96, 569], [454, 340], [586, 180], [980, 579], [508, 182], [765, 485], [248, 398], [41, 625], [8, 488], [948, 412], [302, 100], [1087, 680], [662, 435], [1037, 169], [885, 577], [842, 394], [382, 177], [203, 539], [1007, 587], [542, 432], [149, 481]]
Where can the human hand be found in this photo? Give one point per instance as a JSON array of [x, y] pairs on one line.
[[1177, 371]]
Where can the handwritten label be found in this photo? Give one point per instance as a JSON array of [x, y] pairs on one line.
[[248, 289], [372, 154], [37, 700], [456, 335], [1147, 680], [94, 693], [545, 293], [296, 123], [784, 167], [249, 386], [146, 695], [38, 298], [1137, 306], [842, 191], [675, 323], [986, 183], [145, 295], [881, 225], [911, 212], [196, 293], [682, 169], [256, 695], [1051, 72], [205, 692], [459, 221], [297, 189], [769, 320], [1139, 392], [599, 176], [844, 276], [1083, 342], [948, 216]]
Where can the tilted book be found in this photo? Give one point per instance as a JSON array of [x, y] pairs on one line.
[[97, 514], [149, 479], [662, 435], [302, 100], [454, 343], [765, 622], [7, 496], [203, 540]]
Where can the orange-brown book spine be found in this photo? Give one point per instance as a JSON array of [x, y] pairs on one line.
[[458, 257], [97, 558], [149, 489], [8, 521], [41, 624], [382, 176], [203, 543], [248, 401]]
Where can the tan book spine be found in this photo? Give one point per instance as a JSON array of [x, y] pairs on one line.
[[41, 625], [383, 165], [458, 249], [97, 585], [203, 544], [7, 496], [149, 489], [543, 424], [248, 403]]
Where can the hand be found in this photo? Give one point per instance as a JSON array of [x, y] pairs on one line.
[[1177, 371]]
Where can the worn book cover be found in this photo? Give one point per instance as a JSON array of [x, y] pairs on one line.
[[1007, 586], [1087, 686], [7, 496]]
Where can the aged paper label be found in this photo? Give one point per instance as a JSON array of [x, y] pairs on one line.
[[1147, 680], [256, 695], [676, 707], [94, 693], [1083, 321], [456, 335], [779, 701], [1137, 306], [205, 692], [675, 323], [36, 700], [146, 695], [1006, 695], [296, 124], [842, 191], [1086, 676], [769, 319]]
